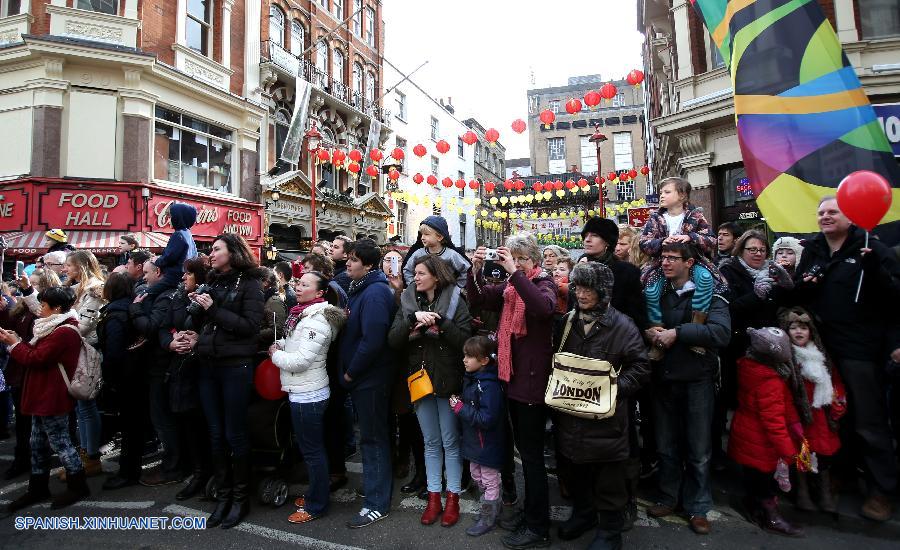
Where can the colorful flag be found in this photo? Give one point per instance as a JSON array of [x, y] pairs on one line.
[[803, 119]]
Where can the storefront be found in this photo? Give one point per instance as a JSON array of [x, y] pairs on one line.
[[95, 215], [736, 200]]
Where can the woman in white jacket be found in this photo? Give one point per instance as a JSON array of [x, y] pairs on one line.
[[84, 276], [311, 327]]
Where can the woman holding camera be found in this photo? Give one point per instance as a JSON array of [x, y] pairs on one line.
[[526, 302], [230, 319]]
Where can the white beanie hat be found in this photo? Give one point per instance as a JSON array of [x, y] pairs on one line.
[[788, 242]]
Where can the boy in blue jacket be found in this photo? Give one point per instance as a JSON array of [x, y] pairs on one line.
[[181, 247]]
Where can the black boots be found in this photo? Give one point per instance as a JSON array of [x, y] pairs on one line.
[[38, 491], [223, 493], [195, 486], [76, 489], [609, 531], [240, 504]]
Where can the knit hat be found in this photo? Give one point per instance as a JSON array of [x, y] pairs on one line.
[[770, 344], [607, 229], [788, 242], [57, 235], [439, 224], [596, 276]]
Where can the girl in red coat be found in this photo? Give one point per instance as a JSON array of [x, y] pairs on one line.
[[827, 403], [766, 427], [56, 342]]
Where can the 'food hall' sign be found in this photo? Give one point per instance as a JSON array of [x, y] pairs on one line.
[[72, 208]]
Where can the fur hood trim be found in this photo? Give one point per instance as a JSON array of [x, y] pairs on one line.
[[335, 316]]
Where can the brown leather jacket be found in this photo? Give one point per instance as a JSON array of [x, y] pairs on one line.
[[614, 338]]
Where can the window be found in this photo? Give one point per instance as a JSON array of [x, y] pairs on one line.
[[401, 106], [191, 152], [556, 155], [276, 26], [625, 190], [554, 105], [370, 88], [199, 22], [321, 78], [339, 9], [619, 100], [588, 156], [435, 129], [879, 18], [460, 175], [357, 17], [102, 6], [460, 147], [12, 7], [370, 26], [324, 3], [435, 165], [357, 84], [282, 125], [462, 230], [715, 56], [402, 216], [337, 69], [622, 151], [297, 38]]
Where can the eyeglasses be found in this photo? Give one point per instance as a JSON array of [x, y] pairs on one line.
[[521, 261], [755, 250], [52, 264], [670, 259]]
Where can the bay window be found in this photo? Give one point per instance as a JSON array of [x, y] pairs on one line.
[[191, 151]]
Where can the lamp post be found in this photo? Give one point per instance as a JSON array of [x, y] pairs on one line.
[[313, 137], [597, 139]]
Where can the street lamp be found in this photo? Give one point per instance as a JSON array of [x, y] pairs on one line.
[[275, 195], [313, 138], [599, 138]]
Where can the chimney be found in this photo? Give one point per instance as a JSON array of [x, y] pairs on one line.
[[449, 105]]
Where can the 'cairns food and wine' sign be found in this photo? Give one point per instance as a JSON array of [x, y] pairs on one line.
[[212, 219]]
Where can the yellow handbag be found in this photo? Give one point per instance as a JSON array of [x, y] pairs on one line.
[[419, 384]]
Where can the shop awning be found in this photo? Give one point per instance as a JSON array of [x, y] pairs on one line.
[[34, 242]]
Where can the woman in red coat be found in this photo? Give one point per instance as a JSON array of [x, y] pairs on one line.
[[766, 427], [46, 398], [827, 403]]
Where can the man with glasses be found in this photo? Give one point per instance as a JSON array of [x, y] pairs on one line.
[[57, 262], [684, 390]]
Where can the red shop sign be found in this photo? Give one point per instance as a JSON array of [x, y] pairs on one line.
[[212, 219], [94, 208], [13, 209], [637, 217]]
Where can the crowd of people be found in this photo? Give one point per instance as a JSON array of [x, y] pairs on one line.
[[783, 358]]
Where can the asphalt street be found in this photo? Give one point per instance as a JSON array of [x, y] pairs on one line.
[[267, 527]]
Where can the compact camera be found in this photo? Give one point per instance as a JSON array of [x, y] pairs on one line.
[[492, 268], [491, 254], [194, 308]]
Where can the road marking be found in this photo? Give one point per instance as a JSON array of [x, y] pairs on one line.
[[7, 457], [265, 532], [106, 505], [107, 465]]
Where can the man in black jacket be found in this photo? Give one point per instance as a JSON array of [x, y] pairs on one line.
[[340, 250], [684, 390], [859, 334]]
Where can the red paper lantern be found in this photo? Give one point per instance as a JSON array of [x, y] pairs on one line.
[[473, 184], [420, 150], [632, 173], [582, 183], [518, 126], [338, 156], [469, 138], [460, 183], [623, 176], [592, 99], [432, 179], [558, 184], [442, 147], [570, 184], [355, 155], [645, 170], [573, 106], [322, 155], [353, 167], [611, 176], [447, 182], [267, 380], [376, 155], [635, 77], [537, 187], [418, 178], [397, 153], [508, 185], [372, 170], [489, 186], [599, 180], [394, 175], [608, 91], [520, 185], [492, 135], [547, 117], [864, 197]]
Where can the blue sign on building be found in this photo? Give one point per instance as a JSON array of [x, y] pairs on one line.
[[889, 118]]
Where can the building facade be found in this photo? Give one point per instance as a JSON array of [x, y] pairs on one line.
[[490, 165], [564, 146], [690, 99], [125, 102]]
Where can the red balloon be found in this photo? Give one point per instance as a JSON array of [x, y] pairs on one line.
[[353, 167], [864, 197], [608, 91], [473, 184], [537, 187], [323, 155], [582, 183], [267, 380], [518, 126], [492, 135], [442, 146], [447, 182], [418, 178], [376, 155], [645, 170], [573, 106], [394, 175], [432, 179], [547, 117], [469, 137], [592, 99], [460, 183], [398, 153], [372, 171], [420, 150], [489, 186], [355, 155], [635, 77]]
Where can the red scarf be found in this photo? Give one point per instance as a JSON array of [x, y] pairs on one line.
[[512, 323], [296, 312]]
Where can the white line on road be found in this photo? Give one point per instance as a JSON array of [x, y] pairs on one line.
[[265, 532], [103, 504]]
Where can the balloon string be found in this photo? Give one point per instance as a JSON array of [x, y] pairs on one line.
[[861, 271]]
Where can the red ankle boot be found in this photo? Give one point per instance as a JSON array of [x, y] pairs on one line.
[[433, 510], [451, 512]]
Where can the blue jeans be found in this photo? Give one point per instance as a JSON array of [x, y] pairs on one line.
[[374, 440], [52, 433], [89, 429], [225, 396], [440, 429], [308, 420], [683, 415]]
